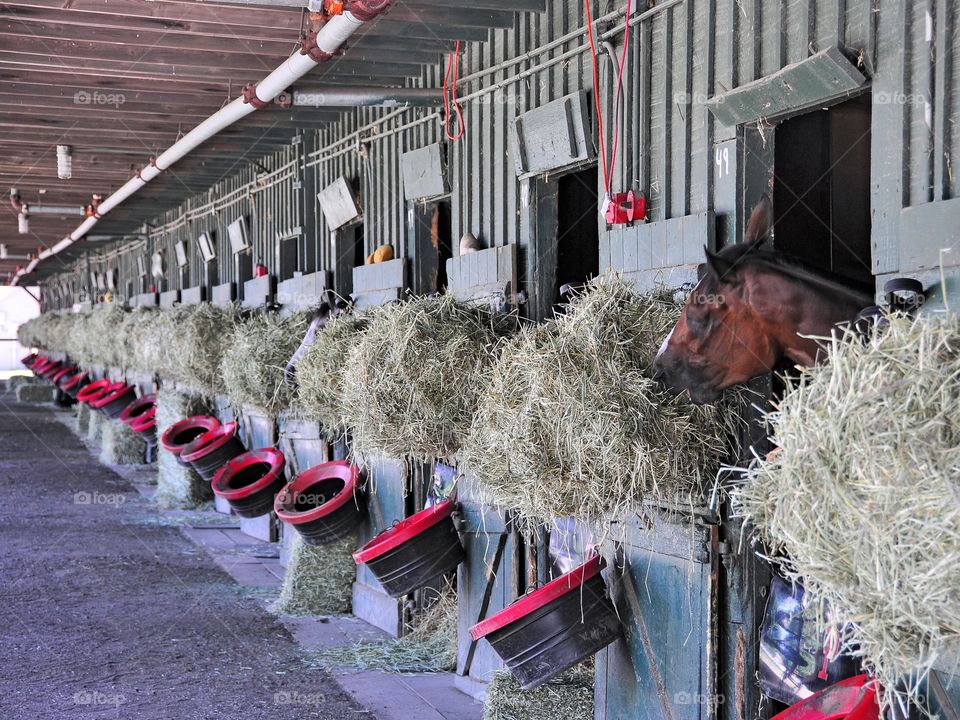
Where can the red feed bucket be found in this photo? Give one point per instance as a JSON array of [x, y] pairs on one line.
[[93, 390], [50, 369], [29, 360], [183, 432], [250, 481], [851, 699], [211, 451], [323, 503], [146, 427], [73, 384], [138, 408], [60, 374], [413, 552], [555, 627], [114, 400], [39, 363]]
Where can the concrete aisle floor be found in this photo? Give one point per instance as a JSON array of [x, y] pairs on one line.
[[109, 609]]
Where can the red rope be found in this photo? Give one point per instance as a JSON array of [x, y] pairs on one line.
[[616, 101], [596, 97], [450, 95]]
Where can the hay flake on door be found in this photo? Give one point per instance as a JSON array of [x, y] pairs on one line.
[[256, 354], [318, 580], [572, 424], [569, 696], [414, 379], [178, 486], [120, 445], [864, 495], [320, 373]]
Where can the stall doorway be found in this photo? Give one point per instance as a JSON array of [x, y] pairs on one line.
[[821, 189], [578, 230]]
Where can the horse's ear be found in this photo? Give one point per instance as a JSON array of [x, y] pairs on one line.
[[723, 269], [758, 227]]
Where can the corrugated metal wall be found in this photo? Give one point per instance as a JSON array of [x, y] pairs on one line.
[[681, 53]]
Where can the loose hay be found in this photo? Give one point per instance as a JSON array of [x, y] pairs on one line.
[[568, 696], [864, 495], [37, 392], [120, 445], [83, 418], [186, 344], [318, 580], [571, 423], [128, 336], [95, 426], [15, 381], [178, 486], [257, 354], [320, 373], [430, 645], [414, 379]]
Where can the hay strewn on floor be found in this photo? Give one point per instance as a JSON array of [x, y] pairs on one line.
[[320, 373], [567, 697], [257, 351], [864, 495], [178, 486], [412, 382], [429, 646], [318, 580], [571, 423], [36, 392], [120, 445]]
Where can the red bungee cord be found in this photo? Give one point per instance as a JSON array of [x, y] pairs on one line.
[[450, 95]]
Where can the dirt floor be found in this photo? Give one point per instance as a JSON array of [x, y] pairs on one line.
[[106, 613]]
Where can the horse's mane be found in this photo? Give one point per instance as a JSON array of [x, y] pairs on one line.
[[744, 255]]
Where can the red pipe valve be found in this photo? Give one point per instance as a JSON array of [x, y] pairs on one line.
[[626, 207]]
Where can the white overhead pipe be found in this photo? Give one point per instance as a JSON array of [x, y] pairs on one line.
[[317, 48]]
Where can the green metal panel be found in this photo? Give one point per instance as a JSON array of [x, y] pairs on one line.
[[820, 79], [660, 580]]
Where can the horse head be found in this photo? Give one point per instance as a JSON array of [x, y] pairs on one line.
[[747, 313]]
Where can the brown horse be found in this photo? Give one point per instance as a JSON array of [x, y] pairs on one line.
[[749, 312]]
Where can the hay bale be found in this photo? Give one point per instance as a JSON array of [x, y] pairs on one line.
[[429, 645], [83, 414], [863, 498], [15, 381], [257, 352], [186, 344], [414, 379], [120, 445], [95, 426], [178, 486], [318, 580], [568, 696], [36, 392], [130, 334], [572, 424], [91, 337], [320, 373]]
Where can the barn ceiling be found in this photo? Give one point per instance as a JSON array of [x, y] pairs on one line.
[[121, 80]]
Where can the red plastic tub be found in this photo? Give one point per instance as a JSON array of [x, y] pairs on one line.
[[93, 390], [250, 481], [60, 374], [139, 408], [51, 369], [29, 360], [114, 400], [146, 427], [212, 450], [555, 627], [183, 432], [323, 503], [73, 384], [851, 699], [413, 552]]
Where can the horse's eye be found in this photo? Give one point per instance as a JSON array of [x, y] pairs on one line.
[[697, 322]]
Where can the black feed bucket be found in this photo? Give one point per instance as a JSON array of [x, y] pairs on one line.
[[413, 552], [212, 450], [140, 408], [323, 503], [555, 627], [249, 482], [74, 383], [183, 432]]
